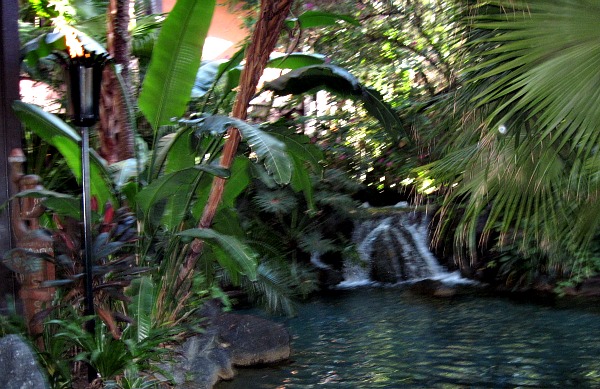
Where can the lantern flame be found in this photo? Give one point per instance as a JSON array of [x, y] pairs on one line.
[[73, 43]]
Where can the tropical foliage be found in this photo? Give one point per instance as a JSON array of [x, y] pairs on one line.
[[488, 109], [522, 151], [166, 190]]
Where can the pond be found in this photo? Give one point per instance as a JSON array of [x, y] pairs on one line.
[[394, 338]]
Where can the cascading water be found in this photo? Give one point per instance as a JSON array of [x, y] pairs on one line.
[[394, 248]]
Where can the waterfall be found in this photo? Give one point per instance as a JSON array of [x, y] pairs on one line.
[[394, 247]]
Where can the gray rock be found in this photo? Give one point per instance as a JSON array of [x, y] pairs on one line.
[[202, 362], [229, 340], [433, 288], [252, 340], [18, 367]]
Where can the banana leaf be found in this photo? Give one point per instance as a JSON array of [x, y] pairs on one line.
[[294, 60], [164, 200], [60, 203], [305, 157], [320, 19], [240, 259], [67, 141], [175, 61], [267, 148], [142, 304], [339, 81]]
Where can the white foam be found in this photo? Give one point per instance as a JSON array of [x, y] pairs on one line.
[[411, 233]]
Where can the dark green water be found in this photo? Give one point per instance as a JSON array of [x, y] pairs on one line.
[[391, 338]]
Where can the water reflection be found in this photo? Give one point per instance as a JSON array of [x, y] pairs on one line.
[[390, 338]]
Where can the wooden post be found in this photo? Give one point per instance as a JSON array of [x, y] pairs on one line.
[[10, 128]]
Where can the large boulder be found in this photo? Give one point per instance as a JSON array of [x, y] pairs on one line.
[[252, 340], [386, 264], [18, 367], [228, 340]]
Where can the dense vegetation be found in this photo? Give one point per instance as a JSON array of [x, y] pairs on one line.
[[487, 110]]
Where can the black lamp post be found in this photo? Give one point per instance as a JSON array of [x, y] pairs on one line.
[[84, 78]]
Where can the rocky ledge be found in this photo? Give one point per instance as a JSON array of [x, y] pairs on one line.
[[230, 340]]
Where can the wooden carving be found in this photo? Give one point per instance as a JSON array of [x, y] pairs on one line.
[[31, 241]]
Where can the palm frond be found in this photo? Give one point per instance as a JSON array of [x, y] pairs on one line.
[[519, 165], [278, 286], [279, 201], [547, 55]]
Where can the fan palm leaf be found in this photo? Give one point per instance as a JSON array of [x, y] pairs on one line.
[[524, 159], [549, 52]]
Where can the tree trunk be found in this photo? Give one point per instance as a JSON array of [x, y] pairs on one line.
[[115, 132], [264, 39]]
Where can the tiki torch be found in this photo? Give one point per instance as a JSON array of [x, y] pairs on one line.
[[83, 69]]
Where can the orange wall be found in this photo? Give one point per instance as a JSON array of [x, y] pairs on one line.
[[225, 25]]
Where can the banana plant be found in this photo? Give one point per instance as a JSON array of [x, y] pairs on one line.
[[172, 188]]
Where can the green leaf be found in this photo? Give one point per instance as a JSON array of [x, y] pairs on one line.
[[125, 171], [142, 305], [232, 69], [267, 148], [233, 79], [320, 19], [271, 152], [173, 152], [211, 73], [242, 259], [534, 71], [67, 206], [237, 183], [227, 222], [305, 157], [301, 181], [59, 134], [39, 48], [340, 81], [60, 203], [307, 78], [233, 63], [175, 61], [168, 194], [205, 78]]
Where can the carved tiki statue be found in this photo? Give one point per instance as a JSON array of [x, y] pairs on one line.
[[31, 240]]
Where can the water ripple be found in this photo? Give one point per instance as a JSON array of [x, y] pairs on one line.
[[391, 339]]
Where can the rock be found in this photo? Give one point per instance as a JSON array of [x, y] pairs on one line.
[[588, 288], [252, 340], [444, 291], [383, 258], [229, 340], [329, 278], [432, 288], [19, 368], [425, 287], [201, 362]]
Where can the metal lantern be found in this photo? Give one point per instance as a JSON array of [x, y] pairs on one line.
[[84, 77]]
